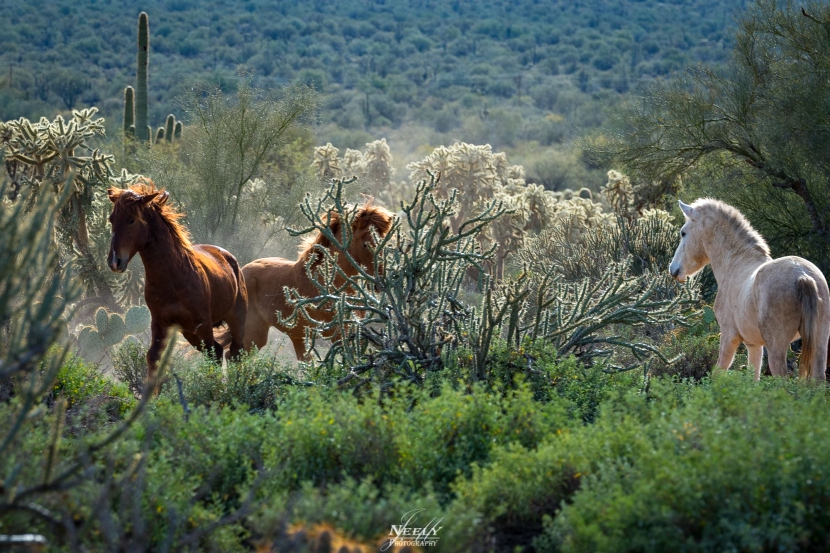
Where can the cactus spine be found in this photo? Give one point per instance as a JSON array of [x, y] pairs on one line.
[[141, 77], [129, 111]]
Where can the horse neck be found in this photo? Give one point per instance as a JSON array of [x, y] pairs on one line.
[[163, 252], [731, 259]]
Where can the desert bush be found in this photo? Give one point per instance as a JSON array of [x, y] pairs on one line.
[[77, 382], [578, 250], [236, 172], [254, 382], [695, 349], [734, 465]]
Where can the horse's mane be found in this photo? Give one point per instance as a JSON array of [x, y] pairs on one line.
[[129, 199], [368, 215], [749, 238]]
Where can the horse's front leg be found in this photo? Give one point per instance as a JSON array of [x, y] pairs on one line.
[[158, 341], [729, 342], [755, 356]]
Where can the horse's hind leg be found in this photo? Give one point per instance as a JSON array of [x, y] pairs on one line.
[[203, 340], [236, 320], [755, 356], [777, 357]]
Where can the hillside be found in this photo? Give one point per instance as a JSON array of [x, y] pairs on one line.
[[484, 71]]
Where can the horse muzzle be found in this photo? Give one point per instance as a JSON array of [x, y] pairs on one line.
[[118, 264], [677, 276]]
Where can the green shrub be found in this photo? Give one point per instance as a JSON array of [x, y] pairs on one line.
[[735, 466], [79, 382], [254, 380], [695, 349]]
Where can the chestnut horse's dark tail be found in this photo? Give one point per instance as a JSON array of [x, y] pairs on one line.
[[221, 330]]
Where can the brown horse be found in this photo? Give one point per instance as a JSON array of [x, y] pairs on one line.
[[268, 277], [194, 287]]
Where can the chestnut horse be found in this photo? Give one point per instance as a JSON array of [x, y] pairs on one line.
[[761, 301], [267, 278], [194, 287]]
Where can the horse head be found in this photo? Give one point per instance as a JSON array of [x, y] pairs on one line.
[[369, 217], [690, 256], [130, 219], [362, 243]]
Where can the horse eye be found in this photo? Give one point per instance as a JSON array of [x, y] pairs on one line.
[[131, 221]]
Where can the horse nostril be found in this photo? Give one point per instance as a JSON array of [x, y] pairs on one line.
[[675, 272]]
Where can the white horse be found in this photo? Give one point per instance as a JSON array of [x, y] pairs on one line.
[[761, 301]]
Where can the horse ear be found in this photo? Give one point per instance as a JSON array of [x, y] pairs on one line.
[[113, 194], [687, 209], [164, 197], [147, 198]]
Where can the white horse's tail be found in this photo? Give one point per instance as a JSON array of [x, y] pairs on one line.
[[810, 325]]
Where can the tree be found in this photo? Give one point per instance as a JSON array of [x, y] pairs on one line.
[[231, 144], [755, 129]]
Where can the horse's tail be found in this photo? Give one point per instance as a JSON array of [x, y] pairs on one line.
[[810, 324]]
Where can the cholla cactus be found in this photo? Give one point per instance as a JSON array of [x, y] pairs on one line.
[[469, 169], [620, 194], [56, 155], [378, 164], [651, 214], [326, 163], [353, 163]]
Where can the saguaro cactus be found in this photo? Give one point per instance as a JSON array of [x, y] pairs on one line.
[[129, 111], [169, 127], [141, 78]]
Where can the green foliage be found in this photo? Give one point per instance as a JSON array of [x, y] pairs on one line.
[[693, 480], [78, 382], [751, 133], [550, 376], [253, 381], [695, 348], [409, 57]]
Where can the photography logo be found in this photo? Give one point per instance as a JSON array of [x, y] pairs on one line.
[[411, 533]]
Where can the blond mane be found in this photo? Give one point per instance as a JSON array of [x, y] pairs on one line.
[[733, 222], [129, 199]]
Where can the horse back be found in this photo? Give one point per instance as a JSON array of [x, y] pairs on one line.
[[224, 277]]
